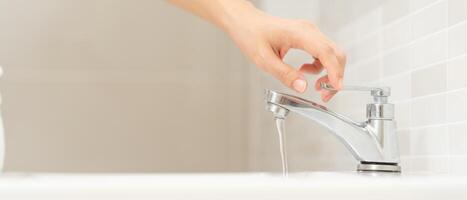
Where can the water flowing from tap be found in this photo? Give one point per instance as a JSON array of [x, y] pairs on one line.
[[280, 124]]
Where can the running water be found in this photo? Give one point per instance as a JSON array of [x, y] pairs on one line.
[[281, 131]]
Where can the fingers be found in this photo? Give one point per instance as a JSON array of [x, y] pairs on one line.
[[314, 68], [326, 95], [289, 76], [332, 58], [332, 65], [318, 82]]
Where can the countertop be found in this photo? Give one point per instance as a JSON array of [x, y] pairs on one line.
[[312, 185]]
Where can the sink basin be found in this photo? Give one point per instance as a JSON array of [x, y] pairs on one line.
[[313, 185]]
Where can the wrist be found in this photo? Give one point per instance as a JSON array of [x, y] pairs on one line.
[[239, 16]]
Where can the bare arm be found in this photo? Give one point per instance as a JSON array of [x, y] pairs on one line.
[[265, 40]]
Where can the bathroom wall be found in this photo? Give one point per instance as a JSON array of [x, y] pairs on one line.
[[417, 47], [140, 86], [119, 86]]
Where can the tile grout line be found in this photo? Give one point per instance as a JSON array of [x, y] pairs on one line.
[[436, 125], [408, 44], [425, 156], [446, 96], [410, 86], [396, 21], [380, 61], [397, 75], [431, 95]]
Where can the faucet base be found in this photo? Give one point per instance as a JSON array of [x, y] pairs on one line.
[[378, 167]]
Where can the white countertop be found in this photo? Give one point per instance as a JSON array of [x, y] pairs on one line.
[[313, 185]]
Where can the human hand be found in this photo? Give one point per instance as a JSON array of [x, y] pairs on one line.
[[266, 40]]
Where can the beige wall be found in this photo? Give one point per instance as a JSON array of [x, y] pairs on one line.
[[119, 86]]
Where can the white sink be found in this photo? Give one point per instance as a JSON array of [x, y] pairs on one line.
[[313, 185]]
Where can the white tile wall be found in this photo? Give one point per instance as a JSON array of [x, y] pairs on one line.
[[403, 115], [428, 110], [457, 139], [457, 40], [396, 62], [394, 9], [457, 11], [456, 72], [417, 4], [429, 50], [429, 141], [457, 106], [419, 48], [435, 15], [399, 85], [396, 34], [429, 80]]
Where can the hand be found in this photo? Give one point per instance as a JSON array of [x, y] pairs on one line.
[[266, 40]]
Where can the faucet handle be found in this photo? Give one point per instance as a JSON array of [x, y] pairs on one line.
[[380, 94]]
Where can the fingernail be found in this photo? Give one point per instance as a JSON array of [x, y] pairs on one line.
[[299, 85]]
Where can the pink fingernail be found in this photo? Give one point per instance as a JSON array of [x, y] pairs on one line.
[[299, 85]]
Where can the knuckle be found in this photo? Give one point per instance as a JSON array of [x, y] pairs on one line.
[[259, 58], [327, 50], [341, 55], [286, 76], [307, 25]]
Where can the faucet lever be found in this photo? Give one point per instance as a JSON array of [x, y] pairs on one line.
[[380, 94]]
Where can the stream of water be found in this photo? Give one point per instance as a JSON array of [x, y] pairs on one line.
[[280, 124]]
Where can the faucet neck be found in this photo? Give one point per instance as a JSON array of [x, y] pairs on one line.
[[372, 141]]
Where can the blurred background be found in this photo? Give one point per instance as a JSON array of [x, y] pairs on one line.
[[141, 86], [119, 86]]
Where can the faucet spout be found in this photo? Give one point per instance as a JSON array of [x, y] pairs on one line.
[[373, 141]]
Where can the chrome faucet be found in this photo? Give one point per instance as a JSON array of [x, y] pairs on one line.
[[373, 143]]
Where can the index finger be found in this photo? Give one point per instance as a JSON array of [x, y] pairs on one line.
[[321, 48]]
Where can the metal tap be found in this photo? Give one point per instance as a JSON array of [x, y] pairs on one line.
[[374, 142]]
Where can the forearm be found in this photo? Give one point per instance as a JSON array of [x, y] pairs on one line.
[[223, 13]]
